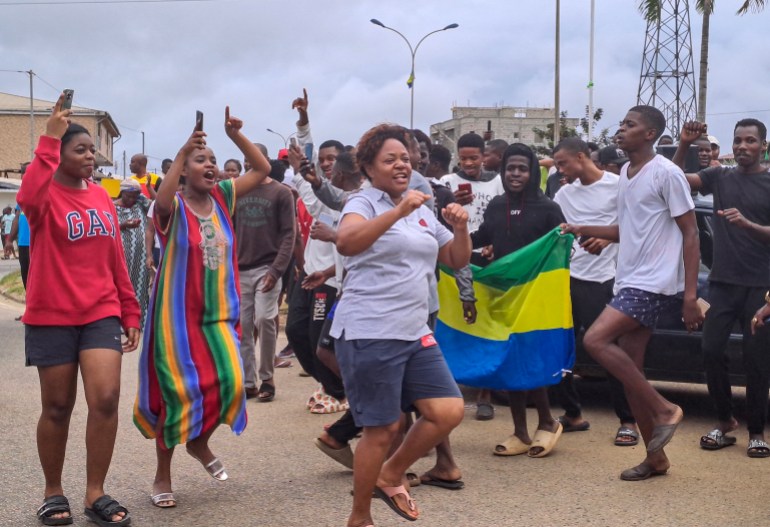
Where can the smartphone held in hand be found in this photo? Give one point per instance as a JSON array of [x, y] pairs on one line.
[[326, 219], [68, 96], [465, 187], [198, 121], [309, 151], [703, 306]]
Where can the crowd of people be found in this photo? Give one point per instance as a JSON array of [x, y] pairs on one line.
[[196, 264]]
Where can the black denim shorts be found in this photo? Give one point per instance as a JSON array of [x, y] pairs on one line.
[[54, 345]]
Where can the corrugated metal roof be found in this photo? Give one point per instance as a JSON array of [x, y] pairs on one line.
[[15, 103]]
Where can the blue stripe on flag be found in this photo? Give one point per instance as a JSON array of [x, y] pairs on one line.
[[524, 362]]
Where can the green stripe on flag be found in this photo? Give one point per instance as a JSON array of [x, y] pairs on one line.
[[548, 253]]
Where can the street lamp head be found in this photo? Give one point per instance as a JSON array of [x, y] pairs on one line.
[[269, 130], [377, 22], [451, 26]]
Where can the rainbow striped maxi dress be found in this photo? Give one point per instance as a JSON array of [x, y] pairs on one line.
[[190, 370]]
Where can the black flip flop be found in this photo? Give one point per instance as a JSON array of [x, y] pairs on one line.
[[56, 504], [449, 484], [569, 427]]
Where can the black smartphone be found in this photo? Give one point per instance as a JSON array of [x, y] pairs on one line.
[[68, 96], [199, 121], [583, 239]]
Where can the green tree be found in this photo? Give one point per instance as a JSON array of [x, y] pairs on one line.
[[564, 131], [603, 138], [651, 10]]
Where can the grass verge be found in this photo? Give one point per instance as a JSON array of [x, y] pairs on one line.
[[12, 287]]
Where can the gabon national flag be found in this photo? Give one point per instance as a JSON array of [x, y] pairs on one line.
[[523, 336]]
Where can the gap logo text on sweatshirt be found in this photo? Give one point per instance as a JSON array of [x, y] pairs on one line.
[[92, 225]]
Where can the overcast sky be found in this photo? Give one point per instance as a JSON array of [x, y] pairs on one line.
[[151, 65]]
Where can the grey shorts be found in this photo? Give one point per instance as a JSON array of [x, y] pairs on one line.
[[385, 377], [645, 307], [54, 345]]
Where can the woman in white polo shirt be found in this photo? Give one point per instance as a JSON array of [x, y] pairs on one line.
[[389, 360]]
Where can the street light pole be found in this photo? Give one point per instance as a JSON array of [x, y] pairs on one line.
[[142, 143], [284, 139], [413, 52]]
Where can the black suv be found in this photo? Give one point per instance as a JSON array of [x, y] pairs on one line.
[[673, 354]]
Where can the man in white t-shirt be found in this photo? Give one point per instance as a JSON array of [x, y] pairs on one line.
[[658, 260], [590, 197], [473, 187]]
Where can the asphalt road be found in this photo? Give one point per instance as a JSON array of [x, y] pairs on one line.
[[278, 477]]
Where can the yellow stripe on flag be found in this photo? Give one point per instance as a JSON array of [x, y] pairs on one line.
[[542, 304]]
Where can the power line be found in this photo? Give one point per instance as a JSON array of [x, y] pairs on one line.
[[736, 113], [70, 2], [46, 82]]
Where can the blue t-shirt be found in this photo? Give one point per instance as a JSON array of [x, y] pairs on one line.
[[23, 233]]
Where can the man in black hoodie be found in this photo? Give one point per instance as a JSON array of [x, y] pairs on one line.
[[512, 220]]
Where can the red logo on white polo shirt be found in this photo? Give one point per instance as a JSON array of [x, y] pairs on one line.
[[428, 341]]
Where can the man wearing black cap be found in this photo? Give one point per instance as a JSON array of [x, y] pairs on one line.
[[611, 159]]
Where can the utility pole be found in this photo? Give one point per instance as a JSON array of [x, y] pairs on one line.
[[142, 143], [591, 77], [31, 118], [557, 120]]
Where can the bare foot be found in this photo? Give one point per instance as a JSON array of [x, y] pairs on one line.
[[115, 517], [728, 426], [657, 461], [202, 453], [439, 474], [330, 441], [663, 432], [403, 502], [549, 426], [673, 418], [571, 421], [163, 487], [57, 515], [360, 523]]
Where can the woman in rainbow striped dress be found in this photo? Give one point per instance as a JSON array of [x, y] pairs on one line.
[[190, 372]]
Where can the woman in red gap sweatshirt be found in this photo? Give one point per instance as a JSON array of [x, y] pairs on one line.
[[79, 296]]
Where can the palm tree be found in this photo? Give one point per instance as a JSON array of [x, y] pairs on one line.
[[651, 9]]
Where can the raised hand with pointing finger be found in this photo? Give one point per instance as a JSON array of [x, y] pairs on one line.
[[57, 124], [300, 104]]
